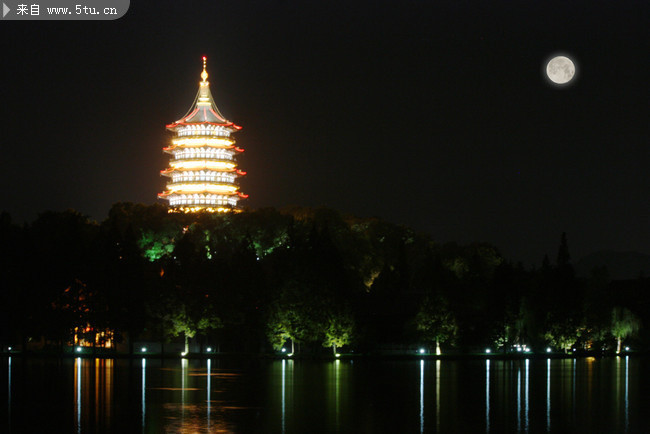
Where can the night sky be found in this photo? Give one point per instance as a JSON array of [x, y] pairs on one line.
[[432, 114]]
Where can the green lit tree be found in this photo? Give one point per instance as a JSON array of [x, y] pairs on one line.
[[624, 324], [295, 321], [436, 322], [564, 333], [339, 328]]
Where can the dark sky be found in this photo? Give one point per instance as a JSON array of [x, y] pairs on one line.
[[433, 114]]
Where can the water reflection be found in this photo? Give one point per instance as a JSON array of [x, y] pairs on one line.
[[421, 396], [438, 365], [548, 395], [573, 382], [284, 395], [287, 388], [94, 395], [535, 395], [527, 377], [77, 391], [144, 393], [518, 400], [627, 403], [623, 371], [335, 389], [9, 395], [209, 389], [487, 395]]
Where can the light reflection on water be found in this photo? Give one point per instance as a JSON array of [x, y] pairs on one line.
[[9, 393], [438, 367], [548, 395], [529, 395], [421, 396], [487, 395], [144, 392]]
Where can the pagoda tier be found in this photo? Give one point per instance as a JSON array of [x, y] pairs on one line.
[[203, 169]]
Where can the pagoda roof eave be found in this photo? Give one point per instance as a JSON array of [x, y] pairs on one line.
[[174, 125], [165, 194], [168, 171]]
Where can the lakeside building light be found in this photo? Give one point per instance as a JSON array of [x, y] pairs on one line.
[[488, 351], [203, 170], [421, 350], [143, 349]]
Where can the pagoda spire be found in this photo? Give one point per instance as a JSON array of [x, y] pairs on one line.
[[204, 74], [203, 169]]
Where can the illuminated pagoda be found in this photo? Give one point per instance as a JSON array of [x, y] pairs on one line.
[[203, 169]]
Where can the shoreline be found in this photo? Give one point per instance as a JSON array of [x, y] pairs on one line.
[[320, 357]]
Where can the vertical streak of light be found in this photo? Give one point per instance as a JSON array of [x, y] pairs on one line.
[[421, 396], [548, 395], [618, 387], [573, 385], [526, 395], [519, 399], [144, 388], [337, 385], [627, 408], [98, 373], [108, 363], [437, 395], [77, 390], [487, 395], [209, 389], [284, 384], [9, 397], [183, 373]]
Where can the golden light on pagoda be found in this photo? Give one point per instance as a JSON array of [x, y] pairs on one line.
[[203, 169]]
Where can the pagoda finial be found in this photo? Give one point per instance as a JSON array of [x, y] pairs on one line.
[[204, 74]]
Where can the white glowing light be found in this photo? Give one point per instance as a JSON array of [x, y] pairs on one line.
[[560, 70], [284, 350], [191, 188], [143, 349], [200, 164], [78, 349], [209, 350], [421, 350], [548, 350], [204, 141], [488, 350]]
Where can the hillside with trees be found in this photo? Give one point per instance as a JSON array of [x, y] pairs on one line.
[[311, 281]]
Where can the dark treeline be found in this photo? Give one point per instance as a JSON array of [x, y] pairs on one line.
[[303, 279]]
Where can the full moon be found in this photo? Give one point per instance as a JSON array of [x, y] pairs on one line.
[[560, 70]]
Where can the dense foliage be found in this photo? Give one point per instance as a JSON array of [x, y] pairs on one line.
[[303, 279]]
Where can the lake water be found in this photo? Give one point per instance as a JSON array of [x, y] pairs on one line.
[[608, 395]]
